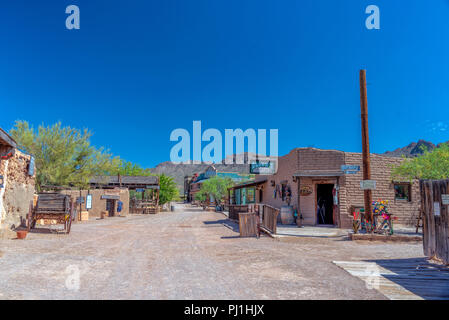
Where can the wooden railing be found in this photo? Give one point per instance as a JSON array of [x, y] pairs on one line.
[[266, 216], [269, 217], [234, 211]]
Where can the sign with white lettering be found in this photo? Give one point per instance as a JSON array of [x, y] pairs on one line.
[[445, 199], [368, 185], [436, 209], [350, 168]]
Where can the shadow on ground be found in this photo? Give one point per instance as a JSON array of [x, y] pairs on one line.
[[427, 280]]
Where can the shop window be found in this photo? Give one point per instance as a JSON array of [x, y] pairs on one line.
[[251, 195], [402, 191]]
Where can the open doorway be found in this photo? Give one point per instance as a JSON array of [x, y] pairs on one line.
[[325, 204], [110, 207]]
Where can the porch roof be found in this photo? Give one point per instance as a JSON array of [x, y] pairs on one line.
[[319, 173], [248, 184], [5, 139]]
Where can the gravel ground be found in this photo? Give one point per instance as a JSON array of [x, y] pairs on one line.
[[187, 254]]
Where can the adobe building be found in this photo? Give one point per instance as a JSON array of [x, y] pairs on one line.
[[114, 200], [311, 179], [17, 183]]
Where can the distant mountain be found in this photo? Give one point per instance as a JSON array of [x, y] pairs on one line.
[[414, 149]]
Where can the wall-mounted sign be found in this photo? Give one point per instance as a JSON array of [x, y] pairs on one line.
[[368, 185], [436, 209], [109, 197], [89, 201], [445, 199], [305, 190], [80, 200], [350, 169], [31, 167]]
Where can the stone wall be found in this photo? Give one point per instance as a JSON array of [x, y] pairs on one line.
[[17, 193]]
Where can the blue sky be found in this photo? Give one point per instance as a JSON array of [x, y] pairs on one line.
[[136, 70]]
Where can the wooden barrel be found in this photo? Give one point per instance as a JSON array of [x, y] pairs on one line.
[[287, 215]]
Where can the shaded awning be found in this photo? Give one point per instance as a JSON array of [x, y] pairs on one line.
[[248, 184], [318, 173], [129, 182]]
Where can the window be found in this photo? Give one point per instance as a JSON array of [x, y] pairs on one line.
[[402, 191], [251, 195]]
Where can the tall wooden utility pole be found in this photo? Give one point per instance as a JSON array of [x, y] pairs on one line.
[[365, 144]]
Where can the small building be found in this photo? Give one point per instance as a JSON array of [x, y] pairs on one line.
[[17, 184], [95, 201], [313, 181], [147, 186]]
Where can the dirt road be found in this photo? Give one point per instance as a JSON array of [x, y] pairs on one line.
[[188, 254]]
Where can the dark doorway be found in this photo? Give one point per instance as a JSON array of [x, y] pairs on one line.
[[325, 204], [110, 207]]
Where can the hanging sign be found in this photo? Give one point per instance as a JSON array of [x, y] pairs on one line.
[[262, 167], [436, 209], [140, 190], [445, 199], [89, 202], [305, 190], [368, 185]]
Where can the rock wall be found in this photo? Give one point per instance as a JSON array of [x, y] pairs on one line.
[[17, 191]]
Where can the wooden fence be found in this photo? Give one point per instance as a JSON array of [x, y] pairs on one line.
[[434, 206]]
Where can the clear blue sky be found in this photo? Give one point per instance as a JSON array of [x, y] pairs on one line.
[[136, 70]]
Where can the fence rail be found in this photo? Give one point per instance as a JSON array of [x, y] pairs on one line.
[[435, 218]]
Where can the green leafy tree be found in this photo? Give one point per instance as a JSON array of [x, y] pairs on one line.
[[430, 165], [168, 189], [63, 155], [216, 188]]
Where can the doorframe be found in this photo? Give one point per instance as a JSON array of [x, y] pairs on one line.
[[330, 182]]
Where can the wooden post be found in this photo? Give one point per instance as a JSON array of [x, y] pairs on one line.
[[365, 145]]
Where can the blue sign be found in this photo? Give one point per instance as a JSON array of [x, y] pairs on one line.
[[350, 168]]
